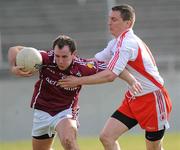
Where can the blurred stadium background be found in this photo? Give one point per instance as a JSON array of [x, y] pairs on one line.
[[37, 22]]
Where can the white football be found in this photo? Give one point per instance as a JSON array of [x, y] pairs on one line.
[[30, 58]]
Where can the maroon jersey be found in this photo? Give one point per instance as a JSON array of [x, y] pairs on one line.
[[52, 98]]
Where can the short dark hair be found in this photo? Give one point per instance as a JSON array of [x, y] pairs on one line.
[[63, 40], [127, 12]]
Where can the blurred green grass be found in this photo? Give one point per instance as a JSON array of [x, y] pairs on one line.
[[128, 142]]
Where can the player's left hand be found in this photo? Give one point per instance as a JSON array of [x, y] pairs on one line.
[[69, 82], [18, 72]]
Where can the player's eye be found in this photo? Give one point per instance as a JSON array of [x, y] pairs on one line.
[[57, 56], [64, 56]]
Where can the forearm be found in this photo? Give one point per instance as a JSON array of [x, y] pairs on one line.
[[12, 55], [101, 77], [127, 77]]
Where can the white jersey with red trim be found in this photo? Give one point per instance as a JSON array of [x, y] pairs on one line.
[[106, 54], [130, 52]]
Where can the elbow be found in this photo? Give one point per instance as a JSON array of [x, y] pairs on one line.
[[12, 52], [15, 48], [10, 49]]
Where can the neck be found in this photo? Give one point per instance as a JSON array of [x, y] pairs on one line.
[[121, 33]]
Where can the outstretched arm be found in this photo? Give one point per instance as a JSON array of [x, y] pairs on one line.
[[101, 77], [12, 52]]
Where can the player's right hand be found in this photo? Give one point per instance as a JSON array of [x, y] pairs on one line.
[[135, 88], [17, 70], [69, 82]]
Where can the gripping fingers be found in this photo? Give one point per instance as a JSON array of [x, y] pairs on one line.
[[136, 88]]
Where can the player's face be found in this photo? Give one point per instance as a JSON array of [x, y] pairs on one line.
[[116, 23], [63, 57]]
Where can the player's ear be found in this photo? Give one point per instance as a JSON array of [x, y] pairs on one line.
[[74, 53], [129, 23]]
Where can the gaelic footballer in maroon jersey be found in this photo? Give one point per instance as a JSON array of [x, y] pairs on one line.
[[52, 98], [55, 107]]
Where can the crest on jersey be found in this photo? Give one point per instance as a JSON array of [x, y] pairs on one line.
[[90, 64]]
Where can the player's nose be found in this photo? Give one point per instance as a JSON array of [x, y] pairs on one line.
[[60, 61]]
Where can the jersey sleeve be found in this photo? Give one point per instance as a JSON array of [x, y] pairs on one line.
[[105, 55], [124, 53]]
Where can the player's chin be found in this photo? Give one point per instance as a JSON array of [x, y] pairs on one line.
[[62, 68]]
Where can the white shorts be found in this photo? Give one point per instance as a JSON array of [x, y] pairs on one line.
[[44, 123]]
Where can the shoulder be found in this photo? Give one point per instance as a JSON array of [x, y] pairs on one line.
[[47, 52], [47, 56], [89, 67], [81, 61], [84, 66], [130, 41]]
